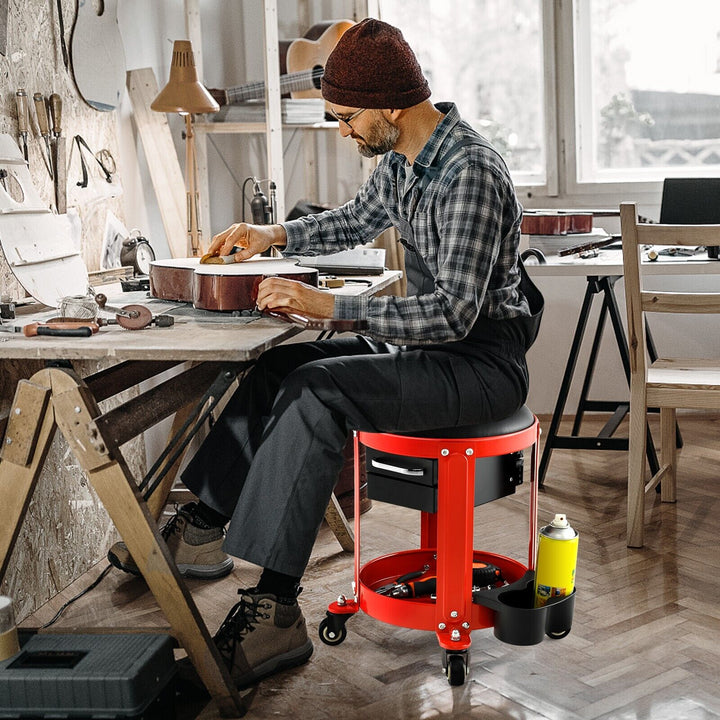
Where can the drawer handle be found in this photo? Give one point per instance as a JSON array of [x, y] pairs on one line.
[[412, 472]]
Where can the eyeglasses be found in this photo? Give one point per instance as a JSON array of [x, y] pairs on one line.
[[347, 119]]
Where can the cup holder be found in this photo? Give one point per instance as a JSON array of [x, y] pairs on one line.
[[517, 621]]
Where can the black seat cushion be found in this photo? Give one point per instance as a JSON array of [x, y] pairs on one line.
[[519, 420]]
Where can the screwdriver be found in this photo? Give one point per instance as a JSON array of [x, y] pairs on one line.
[[483, 575], [23, 119], [44, 125]]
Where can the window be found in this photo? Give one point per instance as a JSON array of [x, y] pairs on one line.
[[578, 96], [487, 57], [648, 88]]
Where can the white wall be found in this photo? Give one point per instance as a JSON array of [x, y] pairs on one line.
[[233, 55]]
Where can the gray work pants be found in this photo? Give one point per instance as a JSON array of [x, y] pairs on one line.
[[272, 459]]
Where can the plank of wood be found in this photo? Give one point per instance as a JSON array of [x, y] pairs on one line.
[[163, 164]]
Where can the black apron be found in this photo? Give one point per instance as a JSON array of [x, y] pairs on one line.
[[420, 280]]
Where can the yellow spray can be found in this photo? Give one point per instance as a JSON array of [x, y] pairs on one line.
[[556, 560]]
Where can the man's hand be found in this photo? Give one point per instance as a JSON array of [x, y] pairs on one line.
[[251, 239], [290, 296]]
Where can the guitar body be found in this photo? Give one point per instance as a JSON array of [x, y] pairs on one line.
[[313, 50], [301, 65], [224, 288], [98, 56]]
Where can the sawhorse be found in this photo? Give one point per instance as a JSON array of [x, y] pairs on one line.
[[604, 440], [56, 398]]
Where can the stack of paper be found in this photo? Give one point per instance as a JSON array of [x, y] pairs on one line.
[[303, 111]]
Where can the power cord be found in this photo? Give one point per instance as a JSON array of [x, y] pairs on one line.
[[90, 587]]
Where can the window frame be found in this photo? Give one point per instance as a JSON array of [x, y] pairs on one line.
[[564, 23]]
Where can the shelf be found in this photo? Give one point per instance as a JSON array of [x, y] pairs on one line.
[[249, 128]]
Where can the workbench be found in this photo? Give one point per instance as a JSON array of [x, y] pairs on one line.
[[601, 272], [191, 365]]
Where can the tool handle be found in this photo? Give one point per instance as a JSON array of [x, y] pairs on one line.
[[422, 588], [21, 101], [483, 574], [41, 112], [56, 112], [61, 329]]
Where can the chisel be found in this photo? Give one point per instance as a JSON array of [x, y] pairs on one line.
[[23, 119], [44, 125], [58, 158]]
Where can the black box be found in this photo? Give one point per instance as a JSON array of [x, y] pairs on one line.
[[90, 676], [412, 482]]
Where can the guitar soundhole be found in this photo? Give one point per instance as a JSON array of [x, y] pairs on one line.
[[317, 73], [99, 7]]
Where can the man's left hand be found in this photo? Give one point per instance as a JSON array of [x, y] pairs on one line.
[[290, 296]]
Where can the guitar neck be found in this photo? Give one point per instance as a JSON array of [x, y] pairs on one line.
[[293, 82]]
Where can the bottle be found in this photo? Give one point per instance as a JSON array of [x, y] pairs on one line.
[[556, 560], [9, 645]]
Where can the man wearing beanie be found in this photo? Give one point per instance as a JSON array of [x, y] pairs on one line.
[[450, 353]]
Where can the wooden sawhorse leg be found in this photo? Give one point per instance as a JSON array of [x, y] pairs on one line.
[[54, 398], [596, 285]]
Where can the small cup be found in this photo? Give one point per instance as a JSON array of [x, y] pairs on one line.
[[9, 644]]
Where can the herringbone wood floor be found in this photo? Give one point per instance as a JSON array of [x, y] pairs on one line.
[[645, 642]]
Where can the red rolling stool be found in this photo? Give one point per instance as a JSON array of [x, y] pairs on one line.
[[446, 585]]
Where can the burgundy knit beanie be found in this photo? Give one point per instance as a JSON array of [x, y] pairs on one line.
[[372, 66]]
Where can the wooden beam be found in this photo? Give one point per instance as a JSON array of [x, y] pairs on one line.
[[162, 160]]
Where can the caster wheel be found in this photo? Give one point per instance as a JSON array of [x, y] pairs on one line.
[[558, 635], [456, 669], [330, 635]]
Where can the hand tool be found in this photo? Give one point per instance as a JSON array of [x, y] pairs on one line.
[[157, 320], [61, 329], [133, 317], [56, 114], [44, 125], [415, 585], [23, 119], [58, 155], [128, 311]]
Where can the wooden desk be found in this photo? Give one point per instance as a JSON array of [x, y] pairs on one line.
[[601, 274], [55, 397]]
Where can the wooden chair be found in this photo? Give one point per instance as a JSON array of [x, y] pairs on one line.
[[667, 383]]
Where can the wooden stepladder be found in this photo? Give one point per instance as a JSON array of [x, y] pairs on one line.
[[57, 398]]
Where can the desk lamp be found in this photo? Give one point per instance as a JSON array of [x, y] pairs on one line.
[[185, 94]]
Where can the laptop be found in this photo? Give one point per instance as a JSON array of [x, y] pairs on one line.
[[691, 201]]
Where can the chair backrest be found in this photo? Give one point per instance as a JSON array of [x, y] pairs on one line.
[[635, 236]]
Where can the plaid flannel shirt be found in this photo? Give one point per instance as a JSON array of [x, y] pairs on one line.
[[466, 227]]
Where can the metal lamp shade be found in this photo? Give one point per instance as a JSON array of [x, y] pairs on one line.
[[184, 93]]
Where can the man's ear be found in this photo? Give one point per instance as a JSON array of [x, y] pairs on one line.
[[393, 114]]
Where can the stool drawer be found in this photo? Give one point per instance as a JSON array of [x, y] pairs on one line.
[[412, 482]]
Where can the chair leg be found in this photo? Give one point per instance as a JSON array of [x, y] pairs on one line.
[[636, 467], [668, 425]]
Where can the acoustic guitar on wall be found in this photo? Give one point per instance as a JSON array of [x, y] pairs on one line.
[[305, 63]]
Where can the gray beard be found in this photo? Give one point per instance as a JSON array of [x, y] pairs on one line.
[[383, 135]]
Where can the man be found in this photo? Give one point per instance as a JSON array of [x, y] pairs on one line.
[[451, 353]]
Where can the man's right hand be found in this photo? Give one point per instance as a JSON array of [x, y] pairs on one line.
[[250, 239]]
